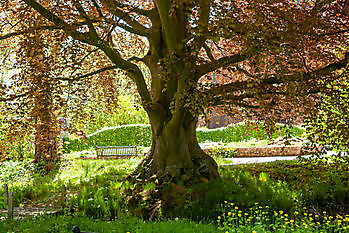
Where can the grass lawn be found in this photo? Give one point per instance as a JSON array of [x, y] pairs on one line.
[[254, 197]]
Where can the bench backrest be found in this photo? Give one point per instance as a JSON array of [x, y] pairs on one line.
[[103, 151]]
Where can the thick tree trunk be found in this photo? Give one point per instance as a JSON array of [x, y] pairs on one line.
[[175, 164]]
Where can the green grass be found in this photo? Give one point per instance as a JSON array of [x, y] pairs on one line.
[[64, 224], [92, 187]]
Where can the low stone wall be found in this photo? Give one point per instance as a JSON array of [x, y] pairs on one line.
[[268, 151]]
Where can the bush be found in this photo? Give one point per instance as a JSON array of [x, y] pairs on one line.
[[125, 135], [140, 135]]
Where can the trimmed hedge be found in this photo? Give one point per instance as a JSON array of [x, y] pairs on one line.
[[140, 135], [125, 135]]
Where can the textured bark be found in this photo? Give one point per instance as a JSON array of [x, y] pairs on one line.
[[175, 163]]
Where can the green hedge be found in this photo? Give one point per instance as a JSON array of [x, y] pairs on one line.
[[140, 135], [125, 135]]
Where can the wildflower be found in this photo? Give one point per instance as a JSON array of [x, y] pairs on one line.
[[275, 213], [316, 216], [229, 213], [324, 212], [236, 207], [231, 203], [225, 202], [263, 212], [281, 212], [239, 215], [296, 212], [219, 217], [254, 231], [291, 221], [246, 214]]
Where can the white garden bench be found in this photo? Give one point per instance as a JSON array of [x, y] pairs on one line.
[[118, 151]]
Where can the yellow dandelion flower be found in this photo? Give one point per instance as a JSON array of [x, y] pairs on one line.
[[219, 217], [254, 231], [292, 221], [296, 212], [316, 216], [239, 215], [236, 207], [229, 213], [246, 214], [225, 202], [286, 215]]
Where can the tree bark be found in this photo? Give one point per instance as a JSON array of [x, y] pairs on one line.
[[175, 163]]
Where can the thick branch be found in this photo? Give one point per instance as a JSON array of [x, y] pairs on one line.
[[113, 8], [277, 79], [57, 21], [220, 63], [89, 74]]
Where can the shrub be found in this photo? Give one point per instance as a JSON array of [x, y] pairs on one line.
[[126, 135], [140, 135]]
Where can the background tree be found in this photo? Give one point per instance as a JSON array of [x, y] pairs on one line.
[[272, 53]]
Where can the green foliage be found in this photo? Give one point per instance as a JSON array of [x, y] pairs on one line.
[[330, 125], [64, 224], [129, 111], [3, 205], [127, 135], [247, 189], [140, 135], [221, 152], [261, 218], [244, 131]]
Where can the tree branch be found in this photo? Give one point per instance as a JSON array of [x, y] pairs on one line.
[[220, 63], [88, 74], [134, 25]]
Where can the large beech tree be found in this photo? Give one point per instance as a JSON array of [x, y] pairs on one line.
[[269, 55]]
